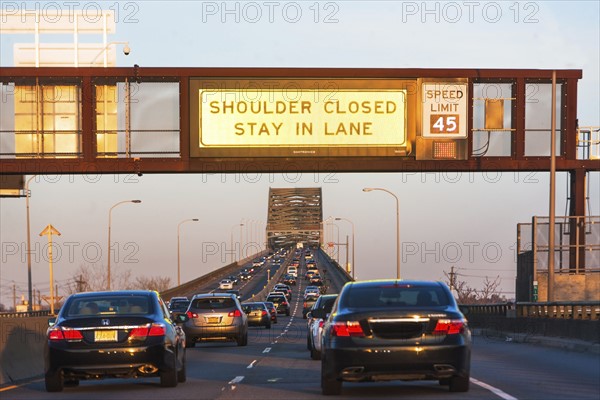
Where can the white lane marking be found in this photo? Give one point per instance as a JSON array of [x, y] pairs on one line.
[[494, 390], [268, 349], [251, 364], [235, 380]]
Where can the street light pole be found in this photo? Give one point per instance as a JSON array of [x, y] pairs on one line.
[[126, 50], [29, 287], [397, 226], [109, 224], [178, 256], [351, 223]]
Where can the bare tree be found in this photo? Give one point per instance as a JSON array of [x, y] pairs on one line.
[[158, 283], [466, 294], [94, 277]]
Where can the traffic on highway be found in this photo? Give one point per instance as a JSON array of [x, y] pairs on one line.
[[314, 340]]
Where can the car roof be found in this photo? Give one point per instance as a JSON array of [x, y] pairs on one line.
[[115, 293], [215, 294], [394, 282]]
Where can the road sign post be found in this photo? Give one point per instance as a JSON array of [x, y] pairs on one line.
[[49, 231]]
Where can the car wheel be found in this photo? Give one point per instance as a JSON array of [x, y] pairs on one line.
[[71, 383], [54, 382], [287, 313], [330, 386], [314, 353], [242, 340], [308, 343], [444, 381], [182, 373], [459, 384]]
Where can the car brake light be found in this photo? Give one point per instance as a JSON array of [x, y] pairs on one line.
[[449, 326], [157, 330], [304, 305], [347, 328], [64, 334], [142, 332], [321, 322], [264, 312], [235, 313], [191, 314]]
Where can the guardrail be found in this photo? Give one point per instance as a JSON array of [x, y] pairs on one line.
[[25, 314], [581, 310], [189, 287]]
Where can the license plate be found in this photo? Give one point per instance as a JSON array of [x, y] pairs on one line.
[[213, 320], [105, 336]]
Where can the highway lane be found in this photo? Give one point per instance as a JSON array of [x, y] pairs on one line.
[[276, 364]]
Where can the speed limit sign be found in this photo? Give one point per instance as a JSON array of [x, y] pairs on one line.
[[444, 110]]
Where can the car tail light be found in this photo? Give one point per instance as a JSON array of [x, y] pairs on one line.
[[286, 304], [64, 334], [321, 322], [449, 326], [304, 305], [144, 331], [264, 312], [191, 314], [347, 328], [236, 313]]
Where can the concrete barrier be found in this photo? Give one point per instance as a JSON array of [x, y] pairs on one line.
[[22, 343]]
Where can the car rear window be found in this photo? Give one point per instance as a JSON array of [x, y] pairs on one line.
[[395, 296], [276, 299], [109, 305], [179, 305], [213, 303], [253, 306]]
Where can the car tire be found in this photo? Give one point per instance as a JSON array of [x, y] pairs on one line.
[[54, 382], [287, 313], [330, 386], [242, 340], [444, 381], [314, 353], [459, 383], [182, 373], [168, 378], [71, 383], [308, 343]]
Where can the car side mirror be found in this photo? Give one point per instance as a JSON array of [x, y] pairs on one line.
[[52, 321], [309, 314]]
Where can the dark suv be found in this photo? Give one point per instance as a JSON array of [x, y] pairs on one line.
[[395, 317], [214, 316], [280, 301]]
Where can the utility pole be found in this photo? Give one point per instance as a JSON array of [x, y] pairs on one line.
[[14, 297], [452, 279], [80, 284]]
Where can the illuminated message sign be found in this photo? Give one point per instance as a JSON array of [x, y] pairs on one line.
[[444, 109], [301, 122]]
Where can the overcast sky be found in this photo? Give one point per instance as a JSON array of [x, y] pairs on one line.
[[468, 221]]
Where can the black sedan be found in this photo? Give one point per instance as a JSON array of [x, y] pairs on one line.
[[395, 330], [116, 334]]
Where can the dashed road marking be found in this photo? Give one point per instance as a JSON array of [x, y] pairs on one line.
[[235, 380], [268, 349], [251, 364]]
